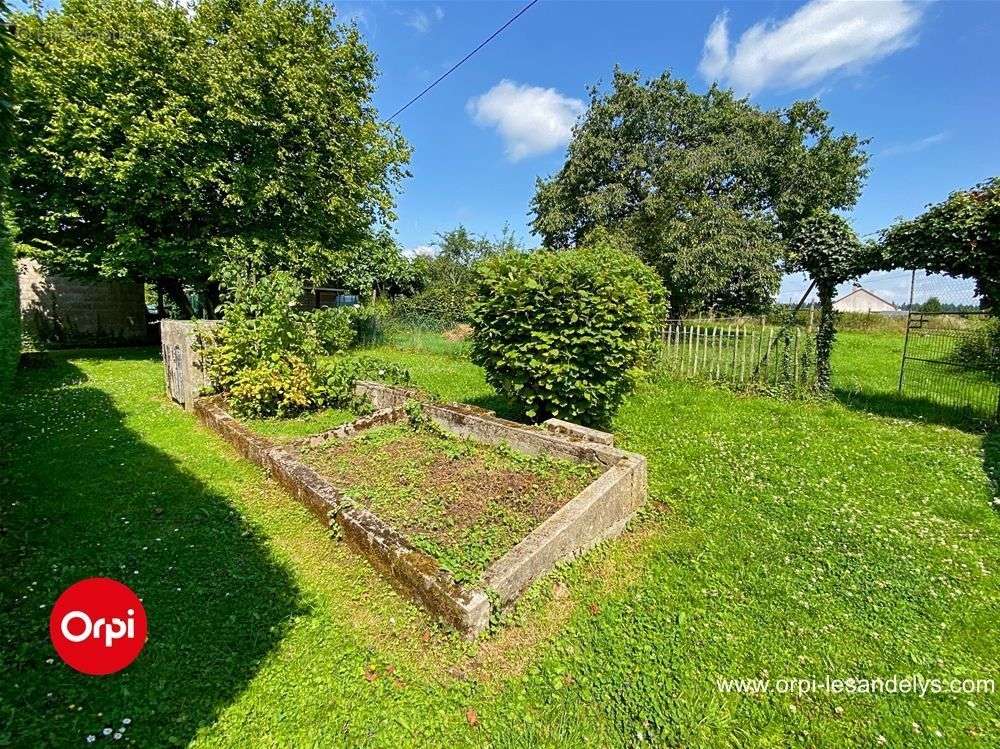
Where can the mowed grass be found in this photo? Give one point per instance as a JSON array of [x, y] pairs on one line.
[[782, 540]]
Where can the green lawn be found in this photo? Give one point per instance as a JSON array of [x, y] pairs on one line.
[[305, 425], [786, 539]]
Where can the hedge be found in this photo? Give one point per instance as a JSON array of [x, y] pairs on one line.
[[10, 317], [564, 333]]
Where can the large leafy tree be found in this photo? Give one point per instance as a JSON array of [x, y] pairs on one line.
[[156, 138], [705, 187], [959, 236]]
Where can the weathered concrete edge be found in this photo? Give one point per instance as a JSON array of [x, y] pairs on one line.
[[570, 429], [485, 426], [412, 572], [377, 418], [599, 512]]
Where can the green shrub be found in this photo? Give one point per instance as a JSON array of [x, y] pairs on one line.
[[444, 303], [10, 315], [266, 355], [980, 347], [370, 321], [335, 329], [564, 333]]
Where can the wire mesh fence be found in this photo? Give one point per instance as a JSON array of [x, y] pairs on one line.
[[951, 354], [738, 353]]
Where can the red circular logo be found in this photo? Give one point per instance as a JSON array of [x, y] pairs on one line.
[[98, 626]]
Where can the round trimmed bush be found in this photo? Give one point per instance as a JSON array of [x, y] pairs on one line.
[[563, 333]]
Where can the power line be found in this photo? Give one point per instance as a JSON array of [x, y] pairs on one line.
[[458, 64]]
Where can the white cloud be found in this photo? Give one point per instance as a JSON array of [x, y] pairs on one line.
[[422, 21], [715, 56], [821, 37], [427, 250], [532, 120], [915, 146]]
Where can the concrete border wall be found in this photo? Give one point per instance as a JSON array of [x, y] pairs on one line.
[[600, 511]]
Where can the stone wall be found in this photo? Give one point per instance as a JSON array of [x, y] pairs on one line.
[[57, 310]]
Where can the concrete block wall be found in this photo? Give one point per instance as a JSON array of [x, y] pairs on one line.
[[67, 311]]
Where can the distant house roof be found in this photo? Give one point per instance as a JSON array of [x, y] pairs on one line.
[[862, 300]]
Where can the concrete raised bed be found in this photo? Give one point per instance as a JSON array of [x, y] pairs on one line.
[[598, 512]]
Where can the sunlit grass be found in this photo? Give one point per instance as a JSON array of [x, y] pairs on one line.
[[786, 538]]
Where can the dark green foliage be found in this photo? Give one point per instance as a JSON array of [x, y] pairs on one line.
[[702, 186], [373, 268], [10, 313], [447, 278], [154, 142], [564, 333], [959, 236], [932, 306], [443, 303], [826, 247], [370, 321]]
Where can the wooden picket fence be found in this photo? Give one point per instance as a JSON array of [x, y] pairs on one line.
[[738, 352]]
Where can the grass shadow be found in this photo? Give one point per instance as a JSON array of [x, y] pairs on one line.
[[922, 410], [83, 496], [502, 407]]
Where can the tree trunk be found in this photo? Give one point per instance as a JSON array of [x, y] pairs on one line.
[[213, 299], [177, 295], [825, 333]]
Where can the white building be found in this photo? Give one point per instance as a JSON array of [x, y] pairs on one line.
[[862, 300]]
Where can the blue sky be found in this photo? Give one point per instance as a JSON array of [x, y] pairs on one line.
[[919, 79]]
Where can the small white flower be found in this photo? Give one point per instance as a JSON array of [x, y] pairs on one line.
[[126, 721], [116, 736], [91, 739], [106, 731]]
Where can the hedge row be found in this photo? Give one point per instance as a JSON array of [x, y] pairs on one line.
[[10, 320]]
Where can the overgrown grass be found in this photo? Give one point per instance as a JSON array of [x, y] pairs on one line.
[[782, 539], [463, 502]]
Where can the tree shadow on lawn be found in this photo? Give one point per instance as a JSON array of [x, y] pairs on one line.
[[84, 496], [922, 410]]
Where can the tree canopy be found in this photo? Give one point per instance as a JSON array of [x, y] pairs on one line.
[[155, 139], [959, 236], [706, 188], [826, 247], [10, 320]]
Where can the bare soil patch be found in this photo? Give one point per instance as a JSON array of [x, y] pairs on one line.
[[465, 503]]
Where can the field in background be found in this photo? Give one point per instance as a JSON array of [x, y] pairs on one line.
[[786, 538]]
